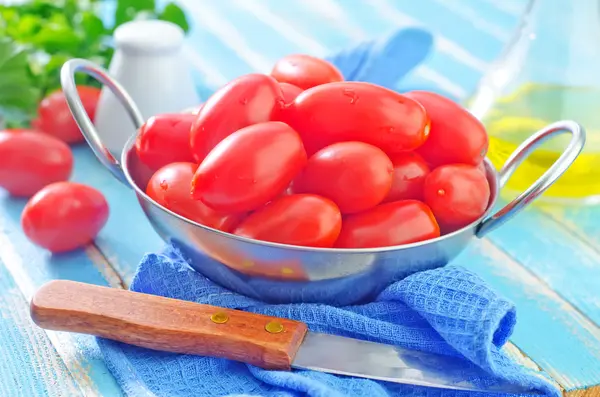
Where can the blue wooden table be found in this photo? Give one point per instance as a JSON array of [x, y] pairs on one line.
[[546, 260]]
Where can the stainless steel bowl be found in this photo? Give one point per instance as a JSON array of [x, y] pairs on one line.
[[284, 273]]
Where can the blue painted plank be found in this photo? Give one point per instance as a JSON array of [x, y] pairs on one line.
[[550, 331], [230, 35], [128, 233], [31, 267], [30, 365], [556, 256], [584, 222]]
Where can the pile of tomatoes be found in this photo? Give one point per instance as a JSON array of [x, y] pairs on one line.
[[302, 157], [37, 164]]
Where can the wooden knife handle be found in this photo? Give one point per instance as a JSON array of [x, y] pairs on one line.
[[167, 324]]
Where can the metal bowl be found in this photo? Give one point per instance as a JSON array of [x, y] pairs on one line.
[[282, 273]]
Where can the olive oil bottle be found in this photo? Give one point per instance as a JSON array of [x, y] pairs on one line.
[[549, 72]]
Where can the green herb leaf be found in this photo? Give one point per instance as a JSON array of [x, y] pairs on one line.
[[127, 10], [16, 91], [92, 26], [173, 13]]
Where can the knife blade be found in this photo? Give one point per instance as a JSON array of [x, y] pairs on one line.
[[178, 326]]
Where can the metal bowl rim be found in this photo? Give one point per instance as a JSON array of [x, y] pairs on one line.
[[141, 193]]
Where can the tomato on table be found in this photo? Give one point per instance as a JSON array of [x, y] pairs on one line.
[[249, 168], [170, 187], [354, 175], [31, 160], [64, 216], [458, 194], [305, 71], [247, 100], [164, 139], [456, 136], [358, 111], [55, 118], [409, 175], [389, 224], [300, 219]]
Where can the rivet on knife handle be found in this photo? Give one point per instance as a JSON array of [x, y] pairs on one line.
[[167, 324]]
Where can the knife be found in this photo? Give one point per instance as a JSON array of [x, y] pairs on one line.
[[178, 326]]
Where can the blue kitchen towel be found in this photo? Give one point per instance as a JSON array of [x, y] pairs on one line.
[[447, 310]]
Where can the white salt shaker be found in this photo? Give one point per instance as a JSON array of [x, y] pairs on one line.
[[149, 63]]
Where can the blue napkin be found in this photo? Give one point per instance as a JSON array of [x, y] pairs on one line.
[[448, 310]]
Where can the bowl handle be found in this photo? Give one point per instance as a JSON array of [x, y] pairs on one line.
[[546, 180], [67, 80]]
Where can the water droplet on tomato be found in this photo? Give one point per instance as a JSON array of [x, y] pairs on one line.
[[441, 192], [244, 101], [164, 185], [350, 93]]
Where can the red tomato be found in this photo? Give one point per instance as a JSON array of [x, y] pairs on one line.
[[247, 100], [165, 139], [456, 135], [170, 187], [481, 167], [64, 216], [357, 111], [17, 130], [299, 219], [355, 175], [30, 160], [290, 92], [410, 171], [305, 71], [458, 194], [55, 118], [249, 168], [395, 223]]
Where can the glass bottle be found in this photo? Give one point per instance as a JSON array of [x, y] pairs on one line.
[[549, 71]]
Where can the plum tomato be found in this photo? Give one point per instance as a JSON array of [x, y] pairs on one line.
[[410, 171], [456, 136], [64, 216], [354, 175], [17, 130], [481, 167], [305, 71], [249, 168], [55, 118], [31, 160], [244, 101], [458, 194], [164, 139], [358, 111], [290, 92], [300, 219], [170, 187], [389, 224]]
